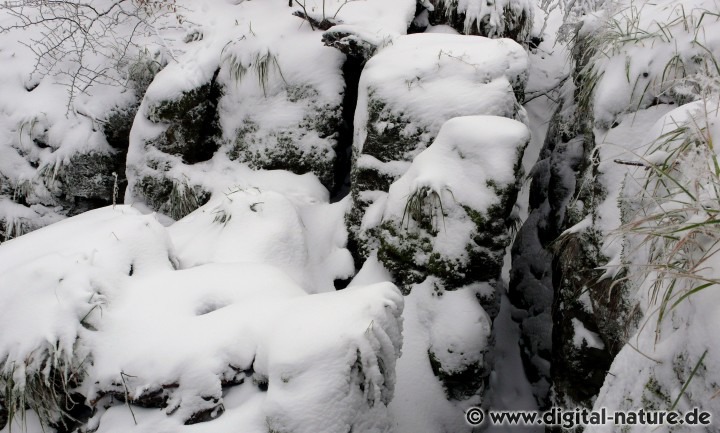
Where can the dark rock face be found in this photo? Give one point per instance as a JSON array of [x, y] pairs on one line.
[[193, 135], [88, 177], [3, 414], [193, 127], [531, 277], [556, 278]]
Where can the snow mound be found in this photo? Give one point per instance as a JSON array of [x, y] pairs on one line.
[[57, 282], [101, 312], [306, 240]]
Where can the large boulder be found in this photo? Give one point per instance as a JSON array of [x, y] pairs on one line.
[[251, 93]]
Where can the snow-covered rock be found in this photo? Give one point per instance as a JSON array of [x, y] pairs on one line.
[[669, 361], [628, 74], [259, 90], [448, 215], [110, 320], [65, 111], [407, 92], [442, 232], [56, 284]]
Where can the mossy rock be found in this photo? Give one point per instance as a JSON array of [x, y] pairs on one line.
[[369, 179], [484, 250], [399, 248], [398, 253], [460, 384], [387, 140], [193, 127], [90, 176], [305, 147], [172, 198], [387, 133], [284, 154]]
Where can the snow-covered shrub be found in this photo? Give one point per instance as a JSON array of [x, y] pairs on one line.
[[492, 18], [669, 241], [407, 91], [671, 210], [643, 53]]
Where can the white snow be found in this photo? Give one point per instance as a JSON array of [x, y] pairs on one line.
[[104, 285], [583, 337]]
